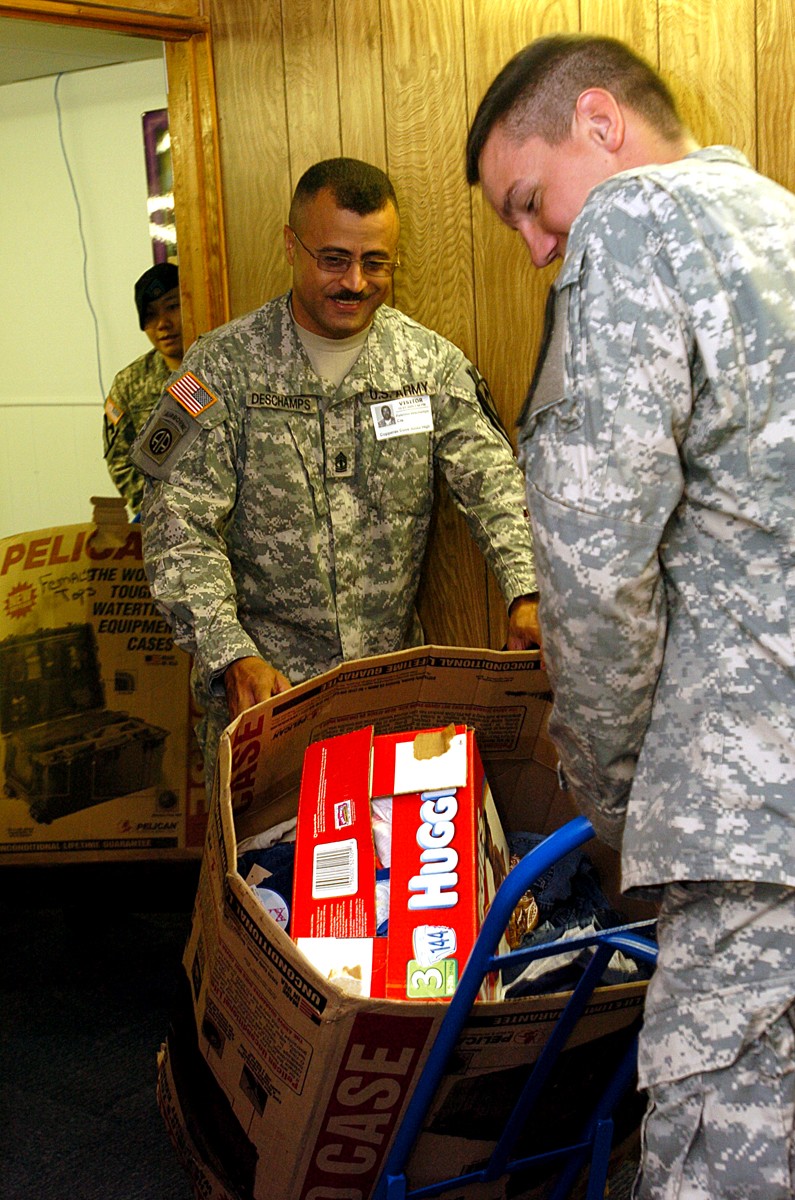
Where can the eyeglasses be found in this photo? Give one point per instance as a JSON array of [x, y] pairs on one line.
[[339, 264]]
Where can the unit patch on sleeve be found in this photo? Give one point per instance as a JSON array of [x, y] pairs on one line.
[[164, 438], [191, 393], [486, 400]]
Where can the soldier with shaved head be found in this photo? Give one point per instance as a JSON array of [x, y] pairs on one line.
[[658, 443], [286, 522]]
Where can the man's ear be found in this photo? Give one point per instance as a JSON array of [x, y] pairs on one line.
[[289, 244], [599, 117]]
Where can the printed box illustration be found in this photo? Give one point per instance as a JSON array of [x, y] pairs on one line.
[[97, 755], [449, 856], [65, 750]]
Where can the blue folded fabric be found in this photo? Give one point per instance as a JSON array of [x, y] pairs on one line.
[[570, 899]]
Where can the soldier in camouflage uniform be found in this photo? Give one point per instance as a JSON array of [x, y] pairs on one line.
[[287, 522], [659, 451], [138, 387]]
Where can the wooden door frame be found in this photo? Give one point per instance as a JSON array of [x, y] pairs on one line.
[[184, 28]]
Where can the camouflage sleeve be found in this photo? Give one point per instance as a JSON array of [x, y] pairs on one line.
[[118, 435], [183, 518], [604, 475], [477, 460]]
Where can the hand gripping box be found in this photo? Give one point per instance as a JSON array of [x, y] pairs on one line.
[[446, 855], [275, 1083]]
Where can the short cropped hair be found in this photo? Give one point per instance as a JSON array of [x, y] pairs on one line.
[[536, 92], [355, 185]]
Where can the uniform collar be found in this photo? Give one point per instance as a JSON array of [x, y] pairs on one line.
[[595, 201], [378, 367]]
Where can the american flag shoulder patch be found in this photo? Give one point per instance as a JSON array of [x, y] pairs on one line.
[[191, 393], [113, 412]]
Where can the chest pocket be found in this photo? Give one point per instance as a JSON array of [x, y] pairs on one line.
[[283, 461], [399, 477], [546, 403]]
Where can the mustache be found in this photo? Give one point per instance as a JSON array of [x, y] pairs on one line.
[[346, 294]]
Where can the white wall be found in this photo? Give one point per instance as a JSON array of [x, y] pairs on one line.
[[52, 389]]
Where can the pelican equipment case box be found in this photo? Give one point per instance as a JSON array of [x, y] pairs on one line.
[[65, 750]]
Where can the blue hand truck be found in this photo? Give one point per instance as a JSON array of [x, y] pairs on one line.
[[592, 1147]]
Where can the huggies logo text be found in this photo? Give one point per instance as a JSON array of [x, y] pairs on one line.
[[435, 885]]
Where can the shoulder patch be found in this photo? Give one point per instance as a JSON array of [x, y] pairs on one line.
[[165, 437], [113, 412], [191, 393], [485, 400]]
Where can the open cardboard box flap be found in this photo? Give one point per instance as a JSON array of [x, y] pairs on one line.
[[503, 696]]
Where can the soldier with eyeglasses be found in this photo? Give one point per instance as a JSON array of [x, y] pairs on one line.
[[287, 521]]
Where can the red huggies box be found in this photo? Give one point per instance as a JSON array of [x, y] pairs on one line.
[[446, 857], [449, 856], [334, 914]]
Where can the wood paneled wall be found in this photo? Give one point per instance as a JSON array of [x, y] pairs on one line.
[[396, 82]]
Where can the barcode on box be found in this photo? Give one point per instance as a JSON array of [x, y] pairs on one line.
[[335, 870]]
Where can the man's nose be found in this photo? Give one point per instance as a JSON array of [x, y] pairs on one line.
[[544, 247], [354, 278]]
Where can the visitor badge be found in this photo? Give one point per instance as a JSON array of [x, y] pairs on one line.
[[401, 415]]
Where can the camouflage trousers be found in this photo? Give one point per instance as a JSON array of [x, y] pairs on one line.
[[717, 1052]]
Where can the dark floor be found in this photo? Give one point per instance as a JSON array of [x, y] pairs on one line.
[[88, 969], [89, 965]]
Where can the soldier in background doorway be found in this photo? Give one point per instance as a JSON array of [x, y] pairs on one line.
[[138, 387]]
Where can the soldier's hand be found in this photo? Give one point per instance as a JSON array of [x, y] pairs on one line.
[[249, 680], [524, 631]]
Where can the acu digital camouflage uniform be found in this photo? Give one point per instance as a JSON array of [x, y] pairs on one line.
[[659, 450], [133, 394], [280, 525]]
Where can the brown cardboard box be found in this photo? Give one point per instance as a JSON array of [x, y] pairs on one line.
[[97, 755], [276, 1085]]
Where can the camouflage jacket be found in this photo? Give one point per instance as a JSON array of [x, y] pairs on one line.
[[658, 443], [133, 394], [280, 524]]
